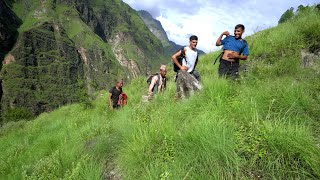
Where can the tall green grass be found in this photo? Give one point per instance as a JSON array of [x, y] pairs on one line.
[[226, 131], [264, 126], [61, 144]]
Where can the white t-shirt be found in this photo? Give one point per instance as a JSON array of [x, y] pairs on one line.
[[190, 58]]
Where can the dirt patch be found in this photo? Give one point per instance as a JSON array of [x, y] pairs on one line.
[[309, 59], [112, 171], [9, 59], [83, 53]]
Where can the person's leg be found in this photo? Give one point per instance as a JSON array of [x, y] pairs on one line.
[[176, 76], [234, 71], [196, 74], [181, 84], [178, 85], [115, 106], [223, 68]]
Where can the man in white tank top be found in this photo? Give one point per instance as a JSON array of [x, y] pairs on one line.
[[187, 78], [191, 55]]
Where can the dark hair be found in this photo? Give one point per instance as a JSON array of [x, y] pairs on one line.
[[193, 37], [239, 26]]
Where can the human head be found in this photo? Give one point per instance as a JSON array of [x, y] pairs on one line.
[[193, 40], [119, 83], [163, 70], [238, 31]]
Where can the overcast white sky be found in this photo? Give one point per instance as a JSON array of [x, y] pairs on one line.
[[209, 18]]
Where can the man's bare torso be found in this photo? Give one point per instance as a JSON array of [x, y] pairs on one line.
[[226, 57]]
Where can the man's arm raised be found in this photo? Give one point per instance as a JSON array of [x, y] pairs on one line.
[[218, 42]]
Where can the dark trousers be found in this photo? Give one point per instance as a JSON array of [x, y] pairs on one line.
[[196, 74], [228, 69], [115, 106]]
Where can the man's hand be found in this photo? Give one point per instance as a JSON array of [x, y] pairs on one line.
[[184, 68], [218, 42], [226, 33], [150, 93], [233, 55]]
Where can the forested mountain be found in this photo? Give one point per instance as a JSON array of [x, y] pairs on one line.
[[156, 28], [59, 51]]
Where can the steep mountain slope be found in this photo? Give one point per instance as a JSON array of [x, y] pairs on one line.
[[156, 28], [264, 126], [69, 48], [9, 23]]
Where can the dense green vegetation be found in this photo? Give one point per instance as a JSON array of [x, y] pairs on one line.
[[290, 13], [9, 23], [264, 126], [66, 50]]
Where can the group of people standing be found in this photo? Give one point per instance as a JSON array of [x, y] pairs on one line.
[[187, 77], [234, 49]]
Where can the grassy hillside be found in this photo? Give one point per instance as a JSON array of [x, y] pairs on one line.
[[266, 126]]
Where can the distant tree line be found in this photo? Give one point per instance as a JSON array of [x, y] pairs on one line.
[[289, 14]]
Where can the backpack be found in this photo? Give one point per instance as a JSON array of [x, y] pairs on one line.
[[241, 51], [150, 78], [179, 58], [122, 99]]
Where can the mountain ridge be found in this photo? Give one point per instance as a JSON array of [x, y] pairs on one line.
[[156, 28]]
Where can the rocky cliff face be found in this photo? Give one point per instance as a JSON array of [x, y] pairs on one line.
[[42, 72], [155, 27], [68, 48], [9, 24]]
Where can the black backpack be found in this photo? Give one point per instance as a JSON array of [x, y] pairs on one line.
[[179, 58]]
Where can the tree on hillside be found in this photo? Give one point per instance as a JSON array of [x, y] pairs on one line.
[[318, 6], [302, 8], [286, 15]]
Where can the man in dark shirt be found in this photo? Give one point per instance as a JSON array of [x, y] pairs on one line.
[[114, 94]]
